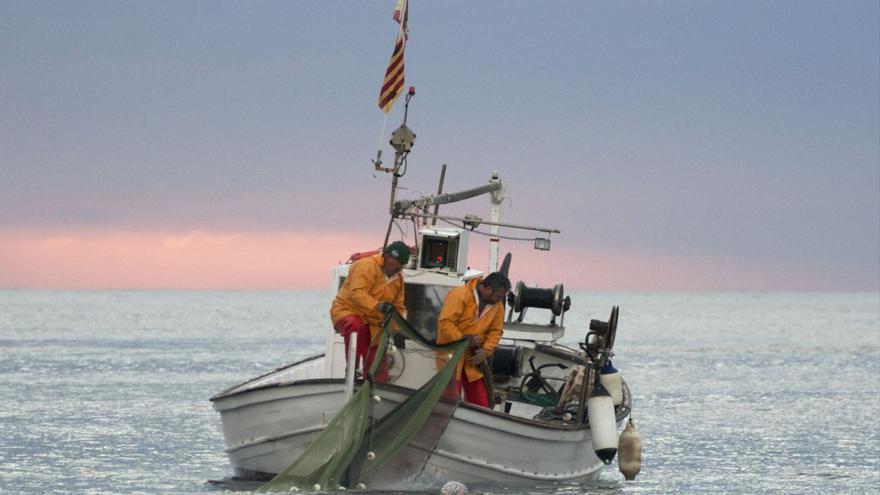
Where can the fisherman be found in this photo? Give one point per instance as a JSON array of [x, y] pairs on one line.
[[474, 310], [374, 283]]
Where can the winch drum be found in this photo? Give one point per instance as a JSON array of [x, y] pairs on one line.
[[507, 360]]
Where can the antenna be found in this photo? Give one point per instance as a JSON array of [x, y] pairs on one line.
[[402, 140]]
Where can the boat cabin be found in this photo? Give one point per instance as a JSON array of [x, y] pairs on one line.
[[439, 264]]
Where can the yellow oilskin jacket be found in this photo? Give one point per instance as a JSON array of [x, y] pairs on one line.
[[460, 317], [364, 288]]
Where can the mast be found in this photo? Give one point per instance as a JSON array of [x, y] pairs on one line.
[[402, 140]]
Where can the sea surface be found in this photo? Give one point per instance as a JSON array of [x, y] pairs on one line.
[[107, 392]]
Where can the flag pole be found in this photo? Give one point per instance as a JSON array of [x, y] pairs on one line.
[[382, 135], [378, 161], [401, 17]]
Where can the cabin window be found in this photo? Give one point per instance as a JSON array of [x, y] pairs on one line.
[[423, 303], [436, 254]]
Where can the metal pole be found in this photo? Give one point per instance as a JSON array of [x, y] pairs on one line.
[[500, 224], [582, 399], [394, 182], [495, 217], [439, 192], [387, 234], [442, 199], [351, 366]]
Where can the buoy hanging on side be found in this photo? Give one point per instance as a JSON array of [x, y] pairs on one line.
[[603, 428], [611, 380], [630, 446]]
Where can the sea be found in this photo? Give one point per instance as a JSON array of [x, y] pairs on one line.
[[734, 392]]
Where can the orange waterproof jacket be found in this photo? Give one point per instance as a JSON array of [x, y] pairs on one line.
[[364, 288], [460, 317]]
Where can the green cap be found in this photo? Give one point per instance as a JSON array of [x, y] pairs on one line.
[[399, 251]]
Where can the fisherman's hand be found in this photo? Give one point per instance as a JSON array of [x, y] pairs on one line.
[[384, 307], [474, 342], [478, 357]]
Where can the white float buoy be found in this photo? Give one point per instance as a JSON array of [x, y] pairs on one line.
[[316, 487], [610, 379], [371, 456], [630, 446], [603, 428], [377, 399], [454, 488], [361, 486]]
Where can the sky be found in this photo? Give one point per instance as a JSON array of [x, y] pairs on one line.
[[679, 145]]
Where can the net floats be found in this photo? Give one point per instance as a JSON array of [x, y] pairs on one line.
[[454, 488]]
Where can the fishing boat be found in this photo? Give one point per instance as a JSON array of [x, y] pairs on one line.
[[554, 411], [548, 398]]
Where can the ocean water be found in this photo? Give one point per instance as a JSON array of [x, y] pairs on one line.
[[107, 392]]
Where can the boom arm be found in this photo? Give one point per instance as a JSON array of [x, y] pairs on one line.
[[404, 205]]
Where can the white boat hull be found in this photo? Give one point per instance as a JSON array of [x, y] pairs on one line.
[[269, 425]]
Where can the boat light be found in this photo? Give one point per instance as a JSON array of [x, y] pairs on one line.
[[542, 244]]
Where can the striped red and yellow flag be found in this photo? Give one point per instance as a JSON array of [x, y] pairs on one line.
[[393, 83]]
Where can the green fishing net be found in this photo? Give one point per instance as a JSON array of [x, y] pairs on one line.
[[361, 443], [538, 399]]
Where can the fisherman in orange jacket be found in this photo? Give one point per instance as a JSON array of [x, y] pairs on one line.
[[372, 284], [474, 310]]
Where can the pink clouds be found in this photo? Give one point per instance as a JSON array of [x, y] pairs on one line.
[[199, 259], [102, 259]]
